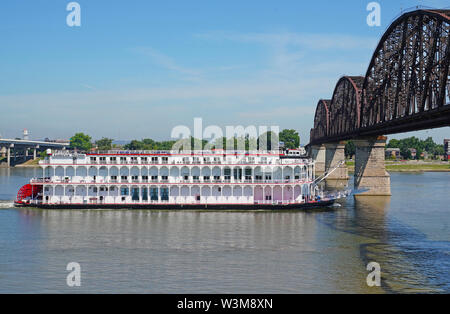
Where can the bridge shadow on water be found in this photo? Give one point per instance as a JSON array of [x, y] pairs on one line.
[[410, 263]]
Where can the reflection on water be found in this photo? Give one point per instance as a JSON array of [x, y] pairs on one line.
[[228, 252], [410, 263]]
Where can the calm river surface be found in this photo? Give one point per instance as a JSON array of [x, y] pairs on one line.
[[141, 251]]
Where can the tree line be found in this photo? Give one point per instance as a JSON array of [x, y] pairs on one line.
[[405, 145], [269, 140]]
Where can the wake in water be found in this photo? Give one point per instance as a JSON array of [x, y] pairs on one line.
[[6, 204]]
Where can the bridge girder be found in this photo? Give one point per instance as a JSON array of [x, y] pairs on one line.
[[406, 84]]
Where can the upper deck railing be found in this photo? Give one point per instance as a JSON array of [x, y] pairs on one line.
[[170, 152], [174, 158]]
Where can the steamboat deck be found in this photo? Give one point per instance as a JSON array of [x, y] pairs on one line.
[[174, 180]]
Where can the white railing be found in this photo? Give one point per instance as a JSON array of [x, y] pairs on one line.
[[171, 152], [164, 181], [241, 163]]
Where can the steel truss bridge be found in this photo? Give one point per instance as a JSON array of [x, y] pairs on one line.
[[406, 87]]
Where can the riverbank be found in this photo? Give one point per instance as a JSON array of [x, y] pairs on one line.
[[410, 166], [29, 164]]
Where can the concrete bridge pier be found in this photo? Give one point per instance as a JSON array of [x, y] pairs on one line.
[[318, 155], [8, 155], [335, 152], [370, 170]]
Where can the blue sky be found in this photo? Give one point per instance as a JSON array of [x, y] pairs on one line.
[[136, 69]]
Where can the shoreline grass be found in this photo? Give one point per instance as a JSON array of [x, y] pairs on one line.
[[409, 167]]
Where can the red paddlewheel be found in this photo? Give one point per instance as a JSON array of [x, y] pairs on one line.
[[28, 190]]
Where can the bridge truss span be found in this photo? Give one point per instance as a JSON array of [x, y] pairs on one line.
[[321, 119], [346, 105], [406, 87]]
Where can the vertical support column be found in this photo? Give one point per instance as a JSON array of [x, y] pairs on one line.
[[35, 152], [335, 152], [318, 153], [8, 156], [370, 170]]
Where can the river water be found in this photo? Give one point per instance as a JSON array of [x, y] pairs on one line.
[[126, 251]]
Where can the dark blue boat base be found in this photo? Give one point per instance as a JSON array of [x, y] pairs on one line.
[[319, 204]]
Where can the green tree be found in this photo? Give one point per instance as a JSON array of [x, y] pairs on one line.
[[406, 153], [43, 154], [394, 143], [81, 141], [421, 146], [104, 143], [438, 150], [350, 149], [290, 138], [134, 145]]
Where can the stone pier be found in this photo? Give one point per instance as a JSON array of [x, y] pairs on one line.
[[335, 152], [318, 155], [370, 170], [8, 156]]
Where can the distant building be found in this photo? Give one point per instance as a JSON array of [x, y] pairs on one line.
[[447, 149], [393, 153], [425, 155], [413, 152]]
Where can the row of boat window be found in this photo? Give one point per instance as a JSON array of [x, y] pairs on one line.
[[205, 178], [166, 159], [124, 191], [163, 193]]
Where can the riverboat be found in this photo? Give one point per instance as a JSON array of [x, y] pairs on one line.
[[224, 180]]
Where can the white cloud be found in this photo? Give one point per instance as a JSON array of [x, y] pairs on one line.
[[306, 40], [167, 62], [237, 90]]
